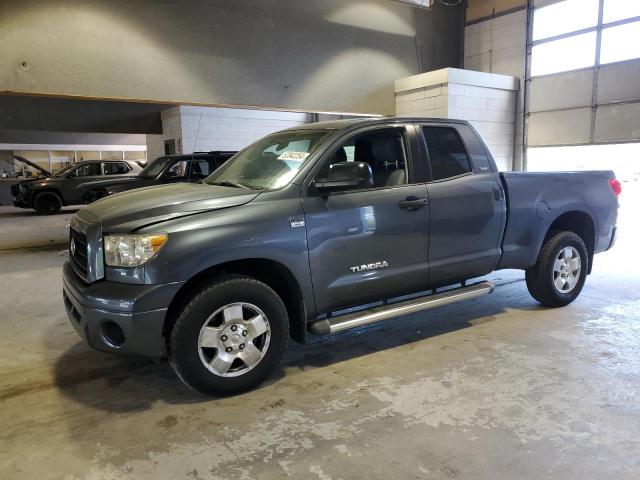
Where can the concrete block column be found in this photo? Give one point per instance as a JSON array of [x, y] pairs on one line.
[[203, 129], [486, 100]]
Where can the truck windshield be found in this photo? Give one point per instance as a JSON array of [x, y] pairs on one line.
[[64, 170], [154, 168], [269, 163]]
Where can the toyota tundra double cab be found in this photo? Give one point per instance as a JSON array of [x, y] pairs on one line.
[[320, 229]]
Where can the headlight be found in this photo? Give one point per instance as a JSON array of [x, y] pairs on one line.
[[131, 250]]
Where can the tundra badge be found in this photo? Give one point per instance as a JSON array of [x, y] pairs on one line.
[[369, 266]]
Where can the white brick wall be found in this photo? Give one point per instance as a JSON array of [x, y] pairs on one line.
[[498, 46], [208, 128], [202, 129], [491, 110], [155, 146]]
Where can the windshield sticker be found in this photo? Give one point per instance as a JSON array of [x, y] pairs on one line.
[[300, 156]]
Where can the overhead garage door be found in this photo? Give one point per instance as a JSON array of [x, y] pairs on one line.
[[583, 58]]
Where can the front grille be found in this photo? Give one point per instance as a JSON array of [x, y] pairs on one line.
[[78, 255]]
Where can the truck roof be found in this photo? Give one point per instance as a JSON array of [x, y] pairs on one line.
[[353, 122]]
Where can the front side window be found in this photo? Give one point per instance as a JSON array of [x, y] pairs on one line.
[[178, 170], [384, 150], [447, 155], [271, 162], [154, 168], [87, 170]]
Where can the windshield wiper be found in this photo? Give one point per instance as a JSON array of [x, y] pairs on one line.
[[227, 183]]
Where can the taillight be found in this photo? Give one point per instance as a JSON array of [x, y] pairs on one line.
[[616, 186]]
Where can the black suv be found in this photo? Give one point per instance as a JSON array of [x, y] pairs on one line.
[[49, 192], [163, 170]]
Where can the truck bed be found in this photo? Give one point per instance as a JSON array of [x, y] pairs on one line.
[[535, 200]]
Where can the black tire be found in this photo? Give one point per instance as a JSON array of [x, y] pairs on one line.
[[183, 343], [540, 278], [47, 203]]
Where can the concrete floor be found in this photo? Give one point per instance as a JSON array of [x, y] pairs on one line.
[[21, 227], [497, 387]]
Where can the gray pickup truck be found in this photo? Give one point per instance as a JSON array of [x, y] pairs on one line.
[[319, 229]]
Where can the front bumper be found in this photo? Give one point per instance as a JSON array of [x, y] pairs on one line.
[[22, 201], [118, 317]]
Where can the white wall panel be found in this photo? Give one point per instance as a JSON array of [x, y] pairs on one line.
[[619, 82], [560, 127], [618, 123], [497, 45], [564, 90]]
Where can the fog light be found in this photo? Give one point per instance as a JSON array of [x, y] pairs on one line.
[[112, 334]]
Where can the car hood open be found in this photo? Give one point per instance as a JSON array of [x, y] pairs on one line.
[[33, 165], [135, 209]]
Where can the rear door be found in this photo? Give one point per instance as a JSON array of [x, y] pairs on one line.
[[368, 244], [466, 204]]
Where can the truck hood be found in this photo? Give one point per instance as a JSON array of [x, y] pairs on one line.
[[45, 181], [135, 209]]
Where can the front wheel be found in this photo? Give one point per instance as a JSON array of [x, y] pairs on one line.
[[47, 203], [559, 274], [230, 337]]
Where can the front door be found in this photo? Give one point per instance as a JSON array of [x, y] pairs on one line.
[[79, 179], [178, 171], [368, 244]]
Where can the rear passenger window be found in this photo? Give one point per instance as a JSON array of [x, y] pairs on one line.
[[113, 168], [447, 155], [87, 170], [199, 169]]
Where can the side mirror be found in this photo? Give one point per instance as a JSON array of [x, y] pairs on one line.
[[346, 176]]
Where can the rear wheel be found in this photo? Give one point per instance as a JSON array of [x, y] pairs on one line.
[[47, 203], [230, 336], [559, 274]]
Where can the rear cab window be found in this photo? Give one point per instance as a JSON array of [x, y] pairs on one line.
[[447, 154]]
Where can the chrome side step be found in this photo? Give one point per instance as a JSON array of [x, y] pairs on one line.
[[386, 312]]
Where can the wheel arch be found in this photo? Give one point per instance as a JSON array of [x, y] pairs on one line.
[[50, 190], [579, 222], [271, 272]]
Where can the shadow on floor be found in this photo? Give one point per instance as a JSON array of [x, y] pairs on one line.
[[10, 212], [124, 384]]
